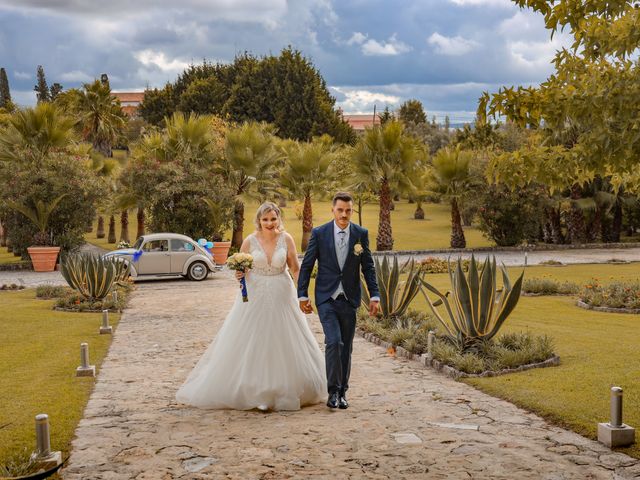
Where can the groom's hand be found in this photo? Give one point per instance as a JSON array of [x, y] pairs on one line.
[[305, 306], [373, 308]]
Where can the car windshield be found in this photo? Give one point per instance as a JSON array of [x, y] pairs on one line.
[[138, 243]]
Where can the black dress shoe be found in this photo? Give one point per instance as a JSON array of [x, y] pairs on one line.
[[332, 402], [342, 402]]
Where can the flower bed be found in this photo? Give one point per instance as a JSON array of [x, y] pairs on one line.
[[69, 300], [407, 336], [612, 297]]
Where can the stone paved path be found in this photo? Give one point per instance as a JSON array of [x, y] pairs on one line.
[[405, 421]]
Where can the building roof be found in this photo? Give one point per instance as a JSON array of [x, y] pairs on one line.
[[360, 121], [129, 96]]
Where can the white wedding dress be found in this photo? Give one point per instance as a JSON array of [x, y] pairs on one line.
[[265, 353]]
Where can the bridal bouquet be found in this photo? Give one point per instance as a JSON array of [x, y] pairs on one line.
[[241, 262]]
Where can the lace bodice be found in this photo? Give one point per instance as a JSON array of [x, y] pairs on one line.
[[261, 265]]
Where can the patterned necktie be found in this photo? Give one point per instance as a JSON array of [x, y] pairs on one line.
[[342, 247]]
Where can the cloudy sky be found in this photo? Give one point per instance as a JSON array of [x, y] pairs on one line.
[[442, 52]]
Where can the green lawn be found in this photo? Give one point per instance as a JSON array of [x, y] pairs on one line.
[[7, 257], [431, 233], [597, 351], [39, 355]]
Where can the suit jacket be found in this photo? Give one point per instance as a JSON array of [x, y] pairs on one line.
[[323, 249]]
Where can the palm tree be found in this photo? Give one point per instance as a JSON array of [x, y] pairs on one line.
[[305, 173], [451, 171], [34, 132], [101, 122], [106, 169], [101, 119], [423, 185], [248, 167], [386, 157]]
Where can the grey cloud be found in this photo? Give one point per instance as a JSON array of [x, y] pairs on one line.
[[147, 43]]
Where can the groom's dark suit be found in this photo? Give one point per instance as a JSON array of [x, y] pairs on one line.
[[337, 315]]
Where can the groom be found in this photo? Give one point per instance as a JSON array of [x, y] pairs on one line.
[[341, 249]]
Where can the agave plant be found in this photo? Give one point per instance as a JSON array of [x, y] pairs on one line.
[[395, 295], [93, 276], [479, 307]]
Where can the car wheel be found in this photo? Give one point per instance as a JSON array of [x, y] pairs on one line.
[[198, 271]]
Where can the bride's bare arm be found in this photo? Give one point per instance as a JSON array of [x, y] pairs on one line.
[[292, 258]]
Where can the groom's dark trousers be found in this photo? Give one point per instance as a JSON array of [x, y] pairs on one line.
[[338, 316]]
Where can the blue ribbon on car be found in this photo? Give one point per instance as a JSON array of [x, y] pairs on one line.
[[136, 255]]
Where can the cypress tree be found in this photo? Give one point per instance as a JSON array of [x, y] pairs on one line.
[[41, 88], [5, 94]]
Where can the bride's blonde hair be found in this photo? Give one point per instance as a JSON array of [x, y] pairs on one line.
[[265, 208]]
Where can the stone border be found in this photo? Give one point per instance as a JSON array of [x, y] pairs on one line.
[[447, 369], [586, 306], [61, 309]]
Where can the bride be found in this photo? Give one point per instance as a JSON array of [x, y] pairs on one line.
[[264, 355]]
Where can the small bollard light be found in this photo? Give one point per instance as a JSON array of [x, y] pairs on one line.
[[615, 433], [430, 338], [45, 457], [84, 355], [43, 439], [427, 358], [85, 370], [114, 296], [105, 328], [616, 407]]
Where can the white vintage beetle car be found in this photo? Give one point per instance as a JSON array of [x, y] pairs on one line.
[[166, 254]]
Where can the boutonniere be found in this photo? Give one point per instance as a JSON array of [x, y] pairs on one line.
[[357, 248]]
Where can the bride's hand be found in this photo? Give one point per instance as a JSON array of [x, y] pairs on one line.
[[240, 275]]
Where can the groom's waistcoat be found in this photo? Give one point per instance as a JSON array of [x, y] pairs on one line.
[[323, 249]]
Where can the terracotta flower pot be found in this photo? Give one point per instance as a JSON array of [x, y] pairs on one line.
[[43, 259], [220, 252]]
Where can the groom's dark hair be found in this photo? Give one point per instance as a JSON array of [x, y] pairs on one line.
[[344, 196]]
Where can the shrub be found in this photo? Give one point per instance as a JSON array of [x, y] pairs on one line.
[[469, 363], [511, 217], [613, 295], [51, 177], [547, 286], [440, 265], [551, 262], [50, 291], [398, 335]]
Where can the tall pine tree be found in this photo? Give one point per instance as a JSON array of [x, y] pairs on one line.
[[5, 94], [41, 88]]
